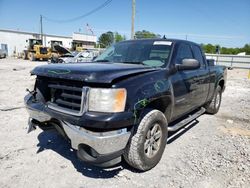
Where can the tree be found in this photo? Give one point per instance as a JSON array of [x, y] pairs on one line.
[[119, 37], [246, 49], [146, 34], [106, 39], [209, 48]]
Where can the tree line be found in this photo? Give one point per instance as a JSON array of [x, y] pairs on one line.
[[108, 38], [209, 48]]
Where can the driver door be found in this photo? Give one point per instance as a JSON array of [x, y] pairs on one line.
[[184, 83]]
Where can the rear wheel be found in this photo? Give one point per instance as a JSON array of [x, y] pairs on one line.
[[24, 55], [214, 106], [147, 145]]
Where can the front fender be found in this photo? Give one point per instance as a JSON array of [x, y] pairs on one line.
[[150, 90]]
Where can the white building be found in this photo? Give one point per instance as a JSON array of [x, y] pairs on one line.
[[16, 41]]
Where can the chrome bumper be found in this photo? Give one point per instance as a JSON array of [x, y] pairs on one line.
[[35, 110], [101, 142]]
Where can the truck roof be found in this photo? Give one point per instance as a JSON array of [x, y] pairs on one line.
[[161, 39]]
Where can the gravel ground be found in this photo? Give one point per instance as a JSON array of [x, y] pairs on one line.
[[211, 152]]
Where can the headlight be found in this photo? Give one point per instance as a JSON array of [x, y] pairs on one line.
[[107, 100]]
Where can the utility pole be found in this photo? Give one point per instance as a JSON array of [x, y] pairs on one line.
[[133, 20], [41, 27]]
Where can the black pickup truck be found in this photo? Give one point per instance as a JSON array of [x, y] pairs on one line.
[[125, 102]]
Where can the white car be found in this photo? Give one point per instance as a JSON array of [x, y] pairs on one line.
[[84, 56], [72, 57]]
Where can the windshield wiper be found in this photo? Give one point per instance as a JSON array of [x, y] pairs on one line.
[[134, 62], [102, 60]]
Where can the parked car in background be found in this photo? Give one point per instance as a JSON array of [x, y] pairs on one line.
[[73, 57], [3, 53]]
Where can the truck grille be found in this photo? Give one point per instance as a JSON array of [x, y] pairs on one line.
[[67, 97], [43, 50]]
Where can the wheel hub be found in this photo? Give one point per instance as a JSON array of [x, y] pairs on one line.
[[153, 140]]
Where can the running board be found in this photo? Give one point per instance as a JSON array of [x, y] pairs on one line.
[[187, 120]]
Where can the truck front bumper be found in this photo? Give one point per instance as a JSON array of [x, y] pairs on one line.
[[96, 147], [102, 148]]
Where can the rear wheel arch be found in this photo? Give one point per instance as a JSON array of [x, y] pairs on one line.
[[222, 84], [213, 106]]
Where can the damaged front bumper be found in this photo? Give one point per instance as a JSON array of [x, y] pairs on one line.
[[102, 148]]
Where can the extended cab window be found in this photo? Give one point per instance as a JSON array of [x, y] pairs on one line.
[[198, 55], [184, 52]]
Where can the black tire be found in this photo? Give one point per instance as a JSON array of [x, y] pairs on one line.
[[137, 151], [24, 55], [60, 61], [214, 106], [32, 56]]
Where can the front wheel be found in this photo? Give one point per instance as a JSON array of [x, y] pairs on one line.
[[147, 144], [32, 56], [214, 106]]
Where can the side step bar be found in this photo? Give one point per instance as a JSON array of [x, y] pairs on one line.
[[187, 120]]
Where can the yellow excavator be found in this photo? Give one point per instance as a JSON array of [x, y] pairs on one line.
[[36, 51]]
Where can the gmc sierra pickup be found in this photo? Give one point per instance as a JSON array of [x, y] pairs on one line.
[[125, 102]]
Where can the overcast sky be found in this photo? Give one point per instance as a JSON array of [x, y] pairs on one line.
[[224, 22]]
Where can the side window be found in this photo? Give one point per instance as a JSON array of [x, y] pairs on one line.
[[184, 52], [198, 55]]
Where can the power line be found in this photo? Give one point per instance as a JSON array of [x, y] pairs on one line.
[[79, 17]]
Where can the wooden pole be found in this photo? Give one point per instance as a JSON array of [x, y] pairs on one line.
[[133, 20]]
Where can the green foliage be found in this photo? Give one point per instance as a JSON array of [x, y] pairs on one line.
[[209, 48], [145, 34], [119, 37], [108, 38], [246, 49]]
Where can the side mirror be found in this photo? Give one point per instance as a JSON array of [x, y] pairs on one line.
[[188, 64]]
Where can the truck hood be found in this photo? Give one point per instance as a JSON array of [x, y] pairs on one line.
[[91, 72], [62, 50]]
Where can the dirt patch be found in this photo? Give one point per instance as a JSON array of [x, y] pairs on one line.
[[235, 131]]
